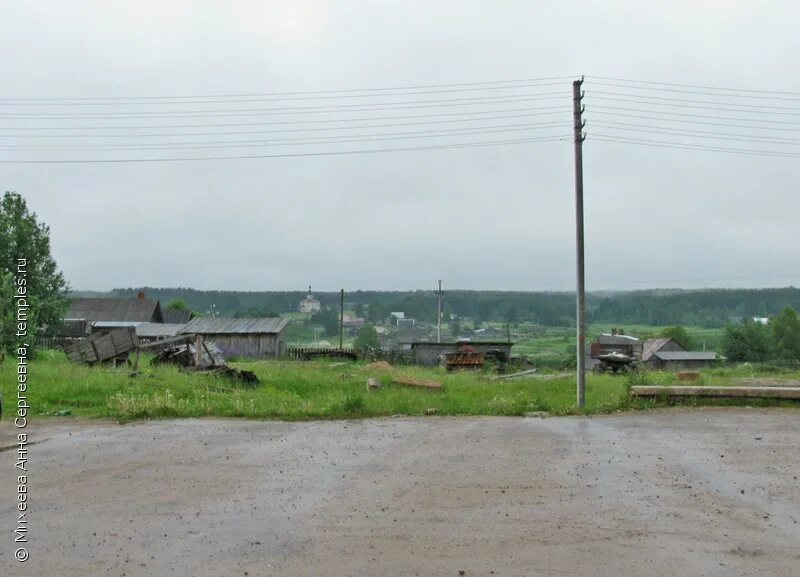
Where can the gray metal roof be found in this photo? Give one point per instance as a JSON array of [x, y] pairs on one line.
[[686, 355], [158, 330], [211, 325], [114, 309]]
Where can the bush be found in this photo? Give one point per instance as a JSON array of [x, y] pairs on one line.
[[353, 404], [645, 378]]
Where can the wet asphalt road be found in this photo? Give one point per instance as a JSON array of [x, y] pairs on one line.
[[680, 492]]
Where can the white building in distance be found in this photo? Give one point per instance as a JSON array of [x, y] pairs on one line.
[[309, 304]]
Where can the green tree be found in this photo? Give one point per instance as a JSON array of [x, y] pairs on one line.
[[377, 313], [455, 328], [328, 319], [177, 304], [680, 335], [511, 315], [747, 341], [360, 310], [367, 337], [23, 237], [785, 329]]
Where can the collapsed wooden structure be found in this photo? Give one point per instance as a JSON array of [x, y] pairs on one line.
[[112, 346], [189, 352]]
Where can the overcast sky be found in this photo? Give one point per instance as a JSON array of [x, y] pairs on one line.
[[496, 217]]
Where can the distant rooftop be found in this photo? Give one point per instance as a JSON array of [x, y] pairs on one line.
[[686, 355], [211, 325], [114, 309]]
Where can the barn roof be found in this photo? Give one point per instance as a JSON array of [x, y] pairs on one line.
[[157, 330], [686, 355], [114, 309], [652, 346], [175, 316], [211, 325]]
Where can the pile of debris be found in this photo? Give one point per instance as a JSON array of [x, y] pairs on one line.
[[209, 359]]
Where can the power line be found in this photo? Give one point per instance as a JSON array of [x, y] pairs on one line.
[[698, 92], [690, 115], [697, 122], [288, 141], [193, 100], [542, 111], [700, 86], [701, 102], [703, 106], [314, 129], [690, 146], [286, 110], [696, 133], [287, 155], [308, 92]]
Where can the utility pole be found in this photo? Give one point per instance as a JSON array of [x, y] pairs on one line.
[[341, 320], [440, 292], [579, 137]]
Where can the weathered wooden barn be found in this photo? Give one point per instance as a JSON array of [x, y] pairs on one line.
[[111, 313], [242, 337], [432, 354]]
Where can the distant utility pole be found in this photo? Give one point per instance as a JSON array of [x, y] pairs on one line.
[[341, 320], [440, 292], [579, 137]]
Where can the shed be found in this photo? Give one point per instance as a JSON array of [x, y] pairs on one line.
[[653, 346], [683, 360], [243, 337]]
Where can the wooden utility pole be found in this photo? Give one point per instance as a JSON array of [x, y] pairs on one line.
[[341, 320], [579, 137], [440, 292]]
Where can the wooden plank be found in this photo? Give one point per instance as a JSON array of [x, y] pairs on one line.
[[104, 347], [766, 382], [87, 352], [410, 381], [168, 342], [720, 392], [123, 340]]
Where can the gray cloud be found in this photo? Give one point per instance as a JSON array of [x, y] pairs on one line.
[[495, 217]]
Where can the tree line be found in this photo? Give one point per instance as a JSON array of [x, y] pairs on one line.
[[710, 308]]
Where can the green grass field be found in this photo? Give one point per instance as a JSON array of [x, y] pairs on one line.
[[319, 390]]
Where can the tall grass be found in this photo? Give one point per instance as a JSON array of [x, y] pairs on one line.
[[293, 390]]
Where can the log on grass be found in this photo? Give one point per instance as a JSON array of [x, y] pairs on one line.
[[412, 382]]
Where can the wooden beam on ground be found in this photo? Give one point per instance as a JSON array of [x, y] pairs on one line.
[[410, 381], [719, 392]]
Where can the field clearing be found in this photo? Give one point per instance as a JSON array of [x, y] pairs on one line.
[[324, 390]]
